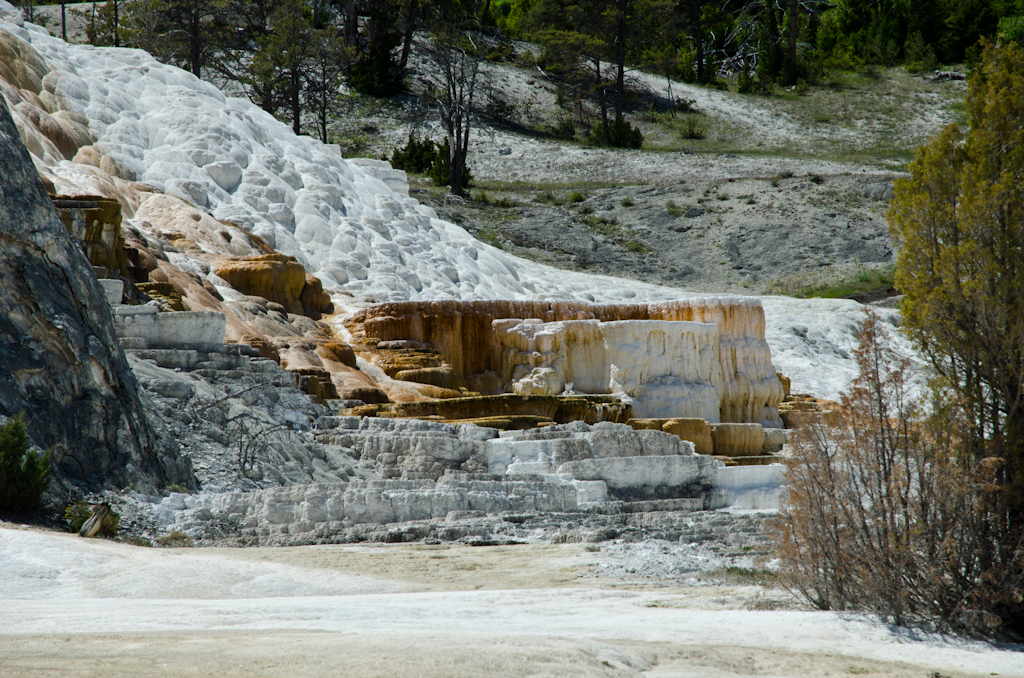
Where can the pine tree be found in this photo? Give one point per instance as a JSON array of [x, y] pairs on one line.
[[279, 69], [24, 474]]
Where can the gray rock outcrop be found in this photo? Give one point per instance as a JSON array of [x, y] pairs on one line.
[[60, 363]]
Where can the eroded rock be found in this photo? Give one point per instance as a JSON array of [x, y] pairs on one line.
[[60, 358]]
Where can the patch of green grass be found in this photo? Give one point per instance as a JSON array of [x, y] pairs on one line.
[[627, 202], [672, 208], [637, 247], [586, 209], [547, 197], [489, 236], [741, 576], [863, 284], [175, 538], [502, 202], [577, 197], [607, 226]]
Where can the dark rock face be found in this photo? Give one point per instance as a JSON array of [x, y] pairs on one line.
[[60, 363]]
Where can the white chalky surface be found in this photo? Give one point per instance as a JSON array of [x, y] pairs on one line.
[[59, 584], [185, 137]]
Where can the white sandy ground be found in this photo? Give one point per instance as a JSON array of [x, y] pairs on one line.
[[71, 607]]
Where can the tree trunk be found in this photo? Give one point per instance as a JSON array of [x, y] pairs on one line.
[[600, 92], [620, 56], [773, 37], [794, 28], [195, 45], [296, 91], [95, 521], [698, 37], [410, 28]]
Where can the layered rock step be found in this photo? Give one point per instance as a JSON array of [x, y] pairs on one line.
[[431, 469]]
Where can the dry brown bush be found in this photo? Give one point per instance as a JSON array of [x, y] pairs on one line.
[[886, 513]]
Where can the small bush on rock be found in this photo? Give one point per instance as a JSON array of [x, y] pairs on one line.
[[175, 538], [76, 514], [24, 474]]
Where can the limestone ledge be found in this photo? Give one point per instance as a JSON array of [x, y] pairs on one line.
[[141, 327], [446, 468], [302, 508], [662, 368], [463, 332]]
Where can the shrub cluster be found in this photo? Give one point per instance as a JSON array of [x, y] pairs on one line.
[[619, 134], [886, 512], [426, 156], [24, 474]]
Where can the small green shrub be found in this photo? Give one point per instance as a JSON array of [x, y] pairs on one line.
[[636, 247], [76, 514], [564, 129], [24, 474], [441, 167], [175, 538], [415, 156], [673, 209], [577, 197], [547, 197], [627, 202], [619, 134], [693, 128]]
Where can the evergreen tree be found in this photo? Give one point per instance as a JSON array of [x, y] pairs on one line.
[[24, 474], [328, 60], [283, 58], [959, 219]]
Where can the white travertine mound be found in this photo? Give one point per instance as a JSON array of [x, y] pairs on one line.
[[663, 368], [621, 473], [350, 223]]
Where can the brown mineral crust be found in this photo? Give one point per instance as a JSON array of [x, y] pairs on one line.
[[560, 409], [337, 351], [461, 330], [697, 431], [313, 298], [275, 277], [95, 222], [737, 440], [694, 430], [21, 65]]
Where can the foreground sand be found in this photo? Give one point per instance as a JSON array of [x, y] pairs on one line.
[[70, 607]]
